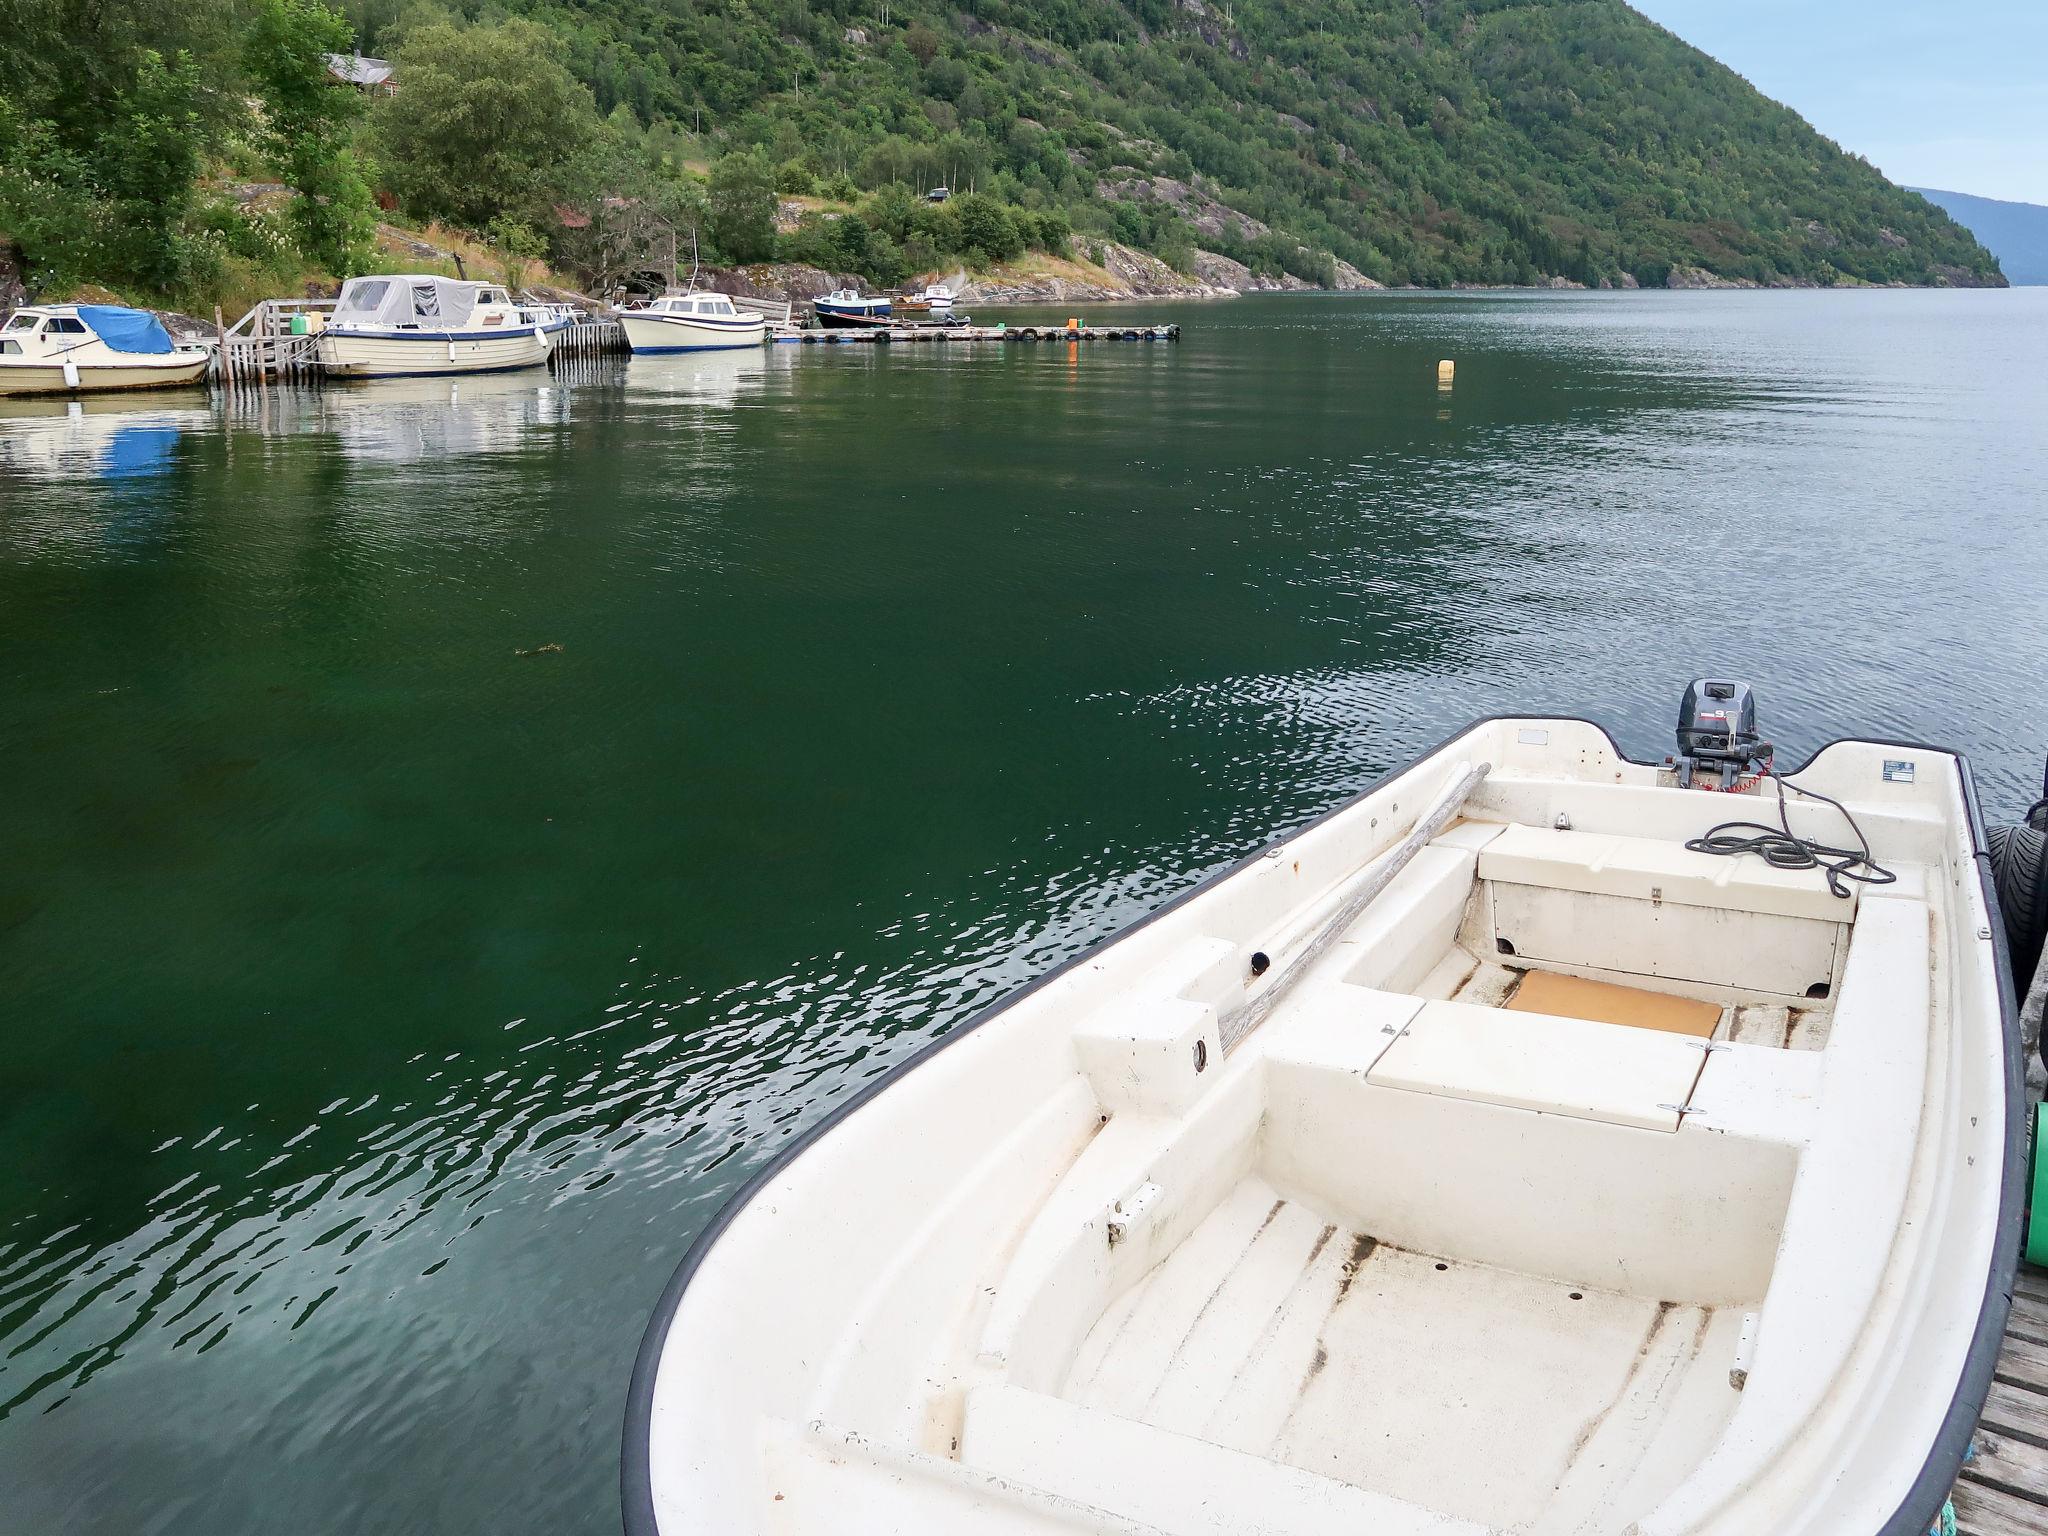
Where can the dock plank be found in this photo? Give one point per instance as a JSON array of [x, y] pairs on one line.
[[2022, 1362], [2017, 1412], [2009, 1464], [2003, 1489], [1985, 1511]]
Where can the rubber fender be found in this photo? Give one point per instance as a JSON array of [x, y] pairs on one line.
[[2019, 870]]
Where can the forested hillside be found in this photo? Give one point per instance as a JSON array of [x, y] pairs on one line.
[[1433, 143]]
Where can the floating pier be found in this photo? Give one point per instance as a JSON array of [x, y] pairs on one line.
[[278, 341], [2004, 1487], [894, 335]]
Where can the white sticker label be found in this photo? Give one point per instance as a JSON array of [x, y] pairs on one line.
[[1533, 738], [1897, 772]]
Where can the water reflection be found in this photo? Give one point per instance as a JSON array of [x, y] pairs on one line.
[[394, 996], [415, 421], [103, 437], [716, 379]]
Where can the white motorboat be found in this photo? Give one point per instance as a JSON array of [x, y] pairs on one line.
[[422, 324], [1509, 1150], [691, 322], [67, 349], [934, 301]]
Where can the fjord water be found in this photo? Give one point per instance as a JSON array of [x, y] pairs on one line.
[[455, 832]]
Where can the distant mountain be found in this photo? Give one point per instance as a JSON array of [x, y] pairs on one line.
[[2016, 233]]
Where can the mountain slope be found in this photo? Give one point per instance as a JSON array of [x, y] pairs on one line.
[[2016, 233], [1434, 142]]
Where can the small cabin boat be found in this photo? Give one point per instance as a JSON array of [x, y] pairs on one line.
[[402, 325], [935, 302], [848, 308], [70, 349], [1512, 1149], [691, 322]]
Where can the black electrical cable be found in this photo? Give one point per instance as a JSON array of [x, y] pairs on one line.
[[1779, 848]]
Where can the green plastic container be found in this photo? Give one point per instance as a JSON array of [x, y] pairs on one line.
[[299, 326], [2037, 1196]]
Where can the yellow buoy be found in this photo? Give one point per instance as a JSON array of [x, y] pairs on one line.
[[1444, 372]]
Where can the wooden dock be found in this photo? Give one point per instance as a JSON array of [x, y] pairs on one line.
[[904, 335], [278, 342], [2003, 1490]]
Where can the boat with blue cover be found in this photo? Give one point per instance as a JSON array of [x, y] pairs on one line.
[[69, 349]]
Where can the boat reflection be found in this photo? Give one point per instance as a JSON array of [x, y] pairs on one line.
[[699, 378], [106, 439], [413, 421]]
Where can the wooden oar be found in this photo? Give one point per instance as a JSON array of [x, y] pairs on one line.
[[1240, 1021]]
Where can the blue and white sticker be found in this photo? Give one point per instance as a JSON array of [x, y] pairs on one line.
[[1897, 771]]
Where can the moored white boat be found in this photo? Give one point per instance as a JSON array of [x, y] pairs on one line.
[[63, 349], [1490, 1155], [934, 301], [422, 324], [691, 322]]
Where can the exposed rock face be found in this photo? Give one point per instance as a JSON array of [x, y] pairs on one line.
[[1123, 273], [1700, 277], [1962, 277], [1350, 279], [1221, 272], [776, 280], [1208, 216]]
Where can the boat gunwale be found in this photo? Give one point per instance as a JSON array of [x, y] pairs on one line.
[[1930, 1487]]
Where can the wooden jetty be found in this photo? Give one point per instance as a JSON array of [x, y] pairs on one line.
[[266, 346], [2003, 1490], [892, 335]]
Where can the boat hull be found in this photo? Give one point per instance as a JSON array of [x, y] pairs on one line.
[[865, 319], [973, 1298], [368, 355], [653, 333], [174, 371]]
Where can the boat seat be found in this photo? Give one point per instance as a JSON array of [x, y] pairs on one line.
[[1652, 869], [1545, 1062], [1629, 907], [1189, 1486]]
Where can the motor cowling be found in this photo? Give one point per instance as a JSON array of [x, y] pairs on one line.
[[1717, 734]]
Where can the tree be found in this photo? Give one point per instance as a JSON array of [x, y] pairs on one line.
[[308, 123], [625, 214], [985, 224], [146, 167], [485, 122], [741, 207]]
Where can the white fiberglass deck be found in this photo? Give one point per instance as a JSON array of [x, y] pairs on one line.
[[1490, 1395], [1568, 1181]]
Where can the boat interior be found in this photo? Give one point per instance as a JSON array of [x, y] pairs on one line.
[[1568, 1186]]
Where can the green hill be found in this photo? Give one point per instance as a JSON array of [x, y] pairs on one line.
[[1428, 142], [1440, 142]]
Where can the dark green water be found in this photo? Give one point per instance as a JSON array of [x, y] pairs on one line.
[[385, 1009]]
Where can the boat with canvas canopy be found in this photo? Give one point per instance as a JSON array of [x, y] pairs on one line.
[[1543, 1142], [412, 324], [71, 349]]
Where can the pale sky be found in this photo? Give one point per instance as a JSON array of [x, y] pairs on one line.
[[1935, 93]]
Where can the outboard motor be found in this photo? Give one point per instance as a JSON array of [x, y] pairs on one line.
[[1717, 738]]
